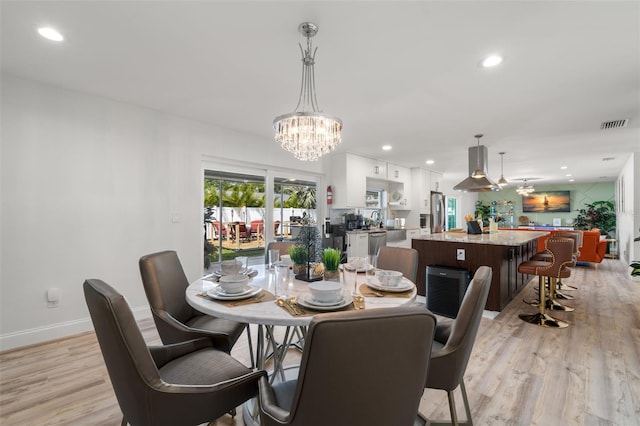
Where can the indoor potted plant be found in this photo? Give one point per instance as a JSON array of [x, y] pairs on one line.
[[331, 262], [299, 256], [600, 215]]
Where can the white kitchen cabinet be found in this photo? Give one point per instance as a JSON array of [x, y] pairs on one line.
[[398, 174], [421, 194], [436, 182], [357, 244], [375, 169], [348, 180]]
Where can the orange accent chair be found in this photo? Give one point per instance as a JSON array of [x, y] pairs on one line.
[[593, 248]]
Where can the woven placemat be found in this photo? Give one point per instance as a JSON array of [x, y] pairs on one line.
[[263, 296], [367, 291]]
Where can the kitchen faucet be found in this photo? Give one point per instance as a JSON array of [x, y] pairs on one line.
[[375, 217]]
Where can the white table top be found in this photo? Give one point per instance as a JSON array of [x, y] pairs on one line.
[[268, 312]]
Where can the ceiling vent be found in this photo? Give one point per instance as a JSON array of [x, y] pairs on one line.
[[614, 124]]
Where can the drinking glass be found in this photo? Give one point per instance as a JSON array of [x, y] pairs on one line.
[[281, 279], [372, 264], [274, 256], [350, 278], [244, 261]]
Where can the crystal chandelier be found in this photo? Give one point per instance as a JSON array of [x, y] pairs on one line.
[[502, 181], [525, 188], [307, 132]]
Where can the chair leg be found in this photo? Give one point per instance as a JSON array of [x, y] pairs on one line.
[[452, 408], [465, 400], [253, 361]]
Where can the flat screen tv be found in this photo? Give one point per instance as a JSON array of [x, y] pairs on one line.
[[547, 202]]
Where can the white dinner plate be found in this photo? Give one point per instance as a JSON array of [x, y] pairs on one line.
[[403, 286], [249, 272], [306, 301], [368, 268], [311, 301], [215, 293]]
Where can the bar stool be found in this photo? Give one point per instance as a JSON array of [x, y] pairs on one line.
[[546, 256], [561, 250]]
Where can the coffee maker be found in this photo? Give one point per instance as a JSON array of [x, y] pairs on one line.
[[353, 221]]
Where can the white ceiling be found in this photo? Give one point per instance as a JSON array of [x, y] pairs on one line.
[[399, 73]]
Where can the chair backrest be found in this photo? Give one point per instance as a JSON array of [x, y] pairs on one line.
[[463, 333], [128, 360], [400, 259], [562, 255], [573, 235], [282, 246], [363, 367], [165, 284]]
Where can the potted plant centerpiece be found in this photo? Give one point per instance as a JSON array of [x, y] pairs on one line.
[[331, 262], [299, 256]]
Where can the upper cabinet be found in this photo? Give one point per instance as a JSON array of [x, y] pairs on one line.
[[436, 181], [398, 174], [348, 180], [374, 169], [399, 187], [421, 194]]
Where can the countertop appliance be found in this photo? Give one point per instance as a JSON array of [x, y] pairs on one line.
[[438, 212], [353, 221]]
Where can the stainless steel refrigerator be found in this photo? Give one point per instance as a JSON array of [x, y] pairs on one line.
[[438, 212]]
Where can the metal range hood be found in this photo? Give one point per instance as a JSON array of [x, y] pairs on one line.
[[484, 184]]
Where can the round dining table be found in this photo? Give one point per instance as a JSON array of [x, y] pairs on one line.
[[268, 312], [263, 311]]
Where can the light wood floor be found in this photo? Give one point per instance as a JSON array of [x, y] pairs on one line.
[[519, 374]]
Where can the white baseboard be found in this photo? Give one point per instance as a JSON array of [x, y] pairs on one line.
[[56, 331]]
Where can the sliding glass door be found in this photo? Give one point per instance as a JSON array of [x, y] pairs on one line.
[[234, 213]]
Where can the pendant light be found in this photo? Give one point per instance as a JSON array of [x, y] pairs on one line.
[[307, 132], [502, 181], [478, 173]]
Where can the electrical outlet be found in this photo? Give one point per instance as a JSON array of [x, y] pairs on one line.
[[459, 254]]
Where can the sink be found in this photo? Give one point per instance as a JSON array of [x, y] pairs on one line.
[[394, 235]]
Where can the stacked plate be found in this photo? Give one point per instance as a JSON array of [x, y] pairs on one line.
[[375, 284], [250, 272], [308, 301], [233, 287]]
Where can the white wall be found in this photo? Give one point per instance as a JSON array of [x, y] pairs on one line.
[[88, 186], [628, 209]]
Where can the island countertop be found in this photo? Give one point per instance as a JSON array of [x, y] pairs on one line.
[[500, 238]]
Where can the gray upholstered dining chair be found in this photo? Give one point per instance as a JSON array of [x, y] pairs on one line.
[[165, 284], [186, 383], [282, 246], [454, 341], [400, 259], [358, 368]]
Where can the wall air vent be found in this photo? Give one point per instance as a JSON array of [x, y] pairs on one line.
[[614, 124]]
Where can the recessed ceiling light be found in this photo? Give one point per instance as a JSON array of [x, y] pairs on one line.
[[568, 175], [563, 167], [491, 61], [571, 180], [386, 147], [50, 33], [429, 162]]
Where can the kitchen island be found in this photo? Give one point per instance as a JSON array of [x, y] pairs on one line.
[[502, 251]]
